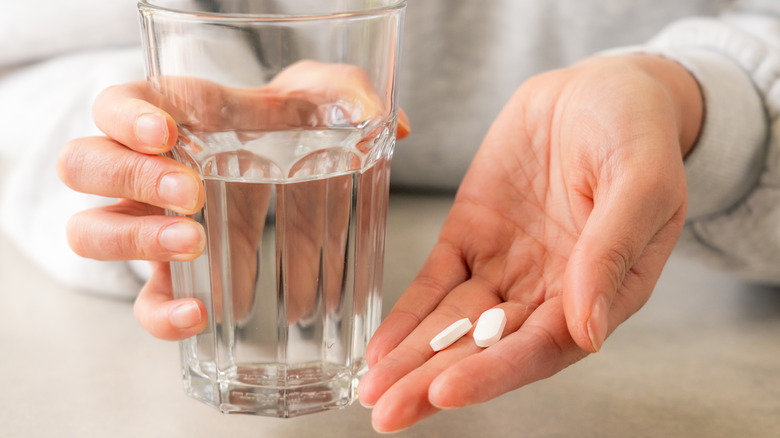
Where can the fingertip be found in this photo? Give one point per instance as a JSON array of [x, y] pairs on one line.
[[390, 418], [580, 295], [173, 131], [393, 414], [63, 158], [181, 191], [380, 428], [186, 314], [125, 114], [376, 351], [588, 332], [404, 127], [438, 394], [378, 380], [365, 404], [452, 389], [379, 422], [367, 393], [186, 239], [73, 234], [586, 311], [371, 356], [180, 319], [585, 331]]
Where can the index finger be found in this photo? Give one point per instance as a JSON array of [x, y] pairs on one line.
[[124, 113]]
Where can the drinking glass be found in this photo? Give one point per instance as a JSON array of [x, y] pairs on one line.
[[286, 109]]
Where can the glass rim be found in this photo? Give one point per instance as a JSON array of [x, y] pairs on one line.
[[149, 5]]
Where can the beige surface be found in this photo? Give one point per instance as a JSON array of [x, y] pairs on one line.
[[702, 359]]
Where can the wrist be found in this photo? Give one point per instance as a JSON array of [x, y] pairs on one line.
[[684, 93]]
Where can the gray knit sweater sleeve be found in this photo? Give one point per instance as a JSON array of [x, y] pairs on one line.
[[733, 173]]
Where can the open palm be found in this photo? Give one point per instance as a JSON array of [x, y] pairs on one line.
[[564, 220]]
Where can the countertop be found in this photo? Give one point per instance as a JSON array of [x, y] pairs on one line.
[[701, 359]]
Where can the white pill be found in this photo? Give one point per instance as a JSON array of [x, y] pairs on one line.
[[451, 334], [490, 327]]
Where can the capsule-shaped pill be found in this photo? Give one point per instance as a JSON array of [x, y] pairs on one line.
[[448, 336], [490, 327]]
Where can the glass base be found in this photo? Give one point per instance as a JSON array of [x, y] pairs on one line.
[[274, 390]]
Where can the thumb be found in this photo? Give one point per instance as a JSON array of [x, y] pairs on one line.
[[623, 223]]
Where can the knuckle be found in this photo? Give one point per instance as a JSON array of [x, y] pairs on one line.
[[109, 247], [138, 241], [565, 349], [91, 237], [616, 261], [546, 340], [140, 174]]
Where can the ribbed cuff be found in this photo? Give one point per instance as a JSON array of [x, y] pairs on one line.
[[726, 161]]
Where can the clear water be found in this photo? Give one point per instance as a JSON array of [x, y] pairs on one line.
[[292, 273]]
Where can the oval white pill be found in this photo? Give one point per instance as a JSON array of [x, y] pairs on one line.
[[455, 331], [490, 327]]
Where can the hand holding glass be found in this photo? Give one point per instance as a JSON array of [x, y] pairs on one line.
[[288, 115]]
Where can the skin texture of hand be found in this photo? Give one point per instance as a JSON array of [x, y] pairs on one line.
[[565, 220], [140, 125]]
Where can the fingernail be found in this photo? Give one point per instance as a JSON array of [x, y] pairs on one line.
[[597, 323], [365, 405], [179, 190], [181, 237], [151, 129], [185, 315]]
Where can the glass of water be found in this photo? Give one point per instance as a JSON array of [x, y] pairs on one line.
[[286, 109]]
